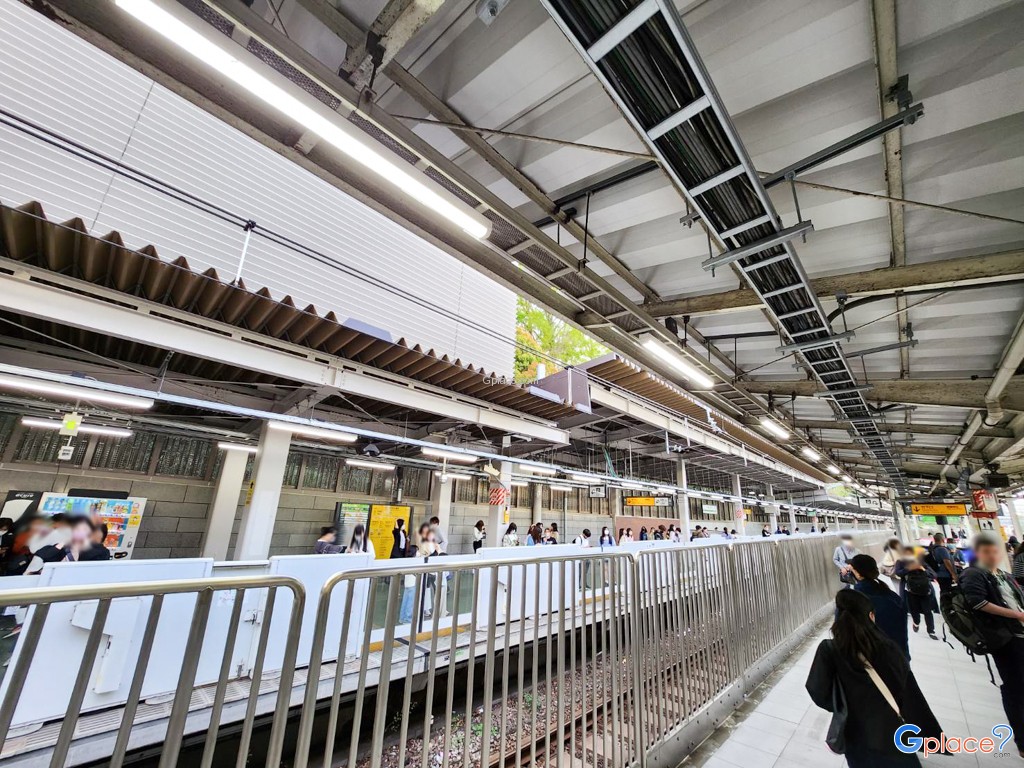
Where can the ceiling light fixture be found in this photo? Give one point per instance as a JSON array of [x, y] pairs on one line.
[[437, 453], [833, 469], [586, 479], [846, 479], [240, 447], [184, 30], [810, 453], [381, 465], [86, 429], [662, 352], [538, 470], [560, 487], [71, 394], [318, 432], [775, 428]]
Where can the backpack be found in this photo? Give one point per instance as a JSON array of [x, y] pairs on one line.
[[959, 618], [918, 583], [929, 558]]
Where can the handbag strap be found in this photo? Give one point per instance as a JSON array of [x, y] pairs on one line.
[[881, 686]]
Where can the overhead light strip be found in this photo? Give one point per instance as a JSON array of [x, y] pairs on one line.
[[202, 41], [85, 429], [72, 394]]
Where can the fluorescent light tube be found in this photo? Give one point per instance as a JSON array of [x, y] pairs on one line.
[[560, 487], [323, 434], [586, 479], [437, 453], [446, 476], [262, 82], [538, 470], [675, 360], [382, 465], [833, 469], [775, 428], [846, 479], [810, 453], [520, 483], [70, 393], [237, 447], [666, 491], [86, 429]]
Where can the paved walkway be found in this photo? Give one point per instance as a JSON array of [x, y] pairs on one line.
[[779, 726]]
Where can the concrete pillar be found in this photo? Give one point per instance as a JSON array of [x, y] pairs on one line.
[[536, 506], [497, 514], [683, 499], [441, 506], [225, 503], [773, 509], [792, 515], [739, 520], [617, 505], [260, 513]]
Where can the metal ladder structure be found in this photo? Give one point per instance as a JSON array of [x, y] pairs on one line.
[[642, 54]]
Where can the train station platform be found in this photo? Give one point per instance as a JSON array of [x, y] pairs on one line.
[[780, 727]]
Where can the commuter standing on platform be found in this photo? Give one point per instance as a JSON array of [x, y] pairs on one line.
[[327, 544], [877, 684], [426, 547], [890, 612], [1018, 564], [583, 540], [535, 535], [916, 587], [842, 556], [998, 605], [766, 531], [401, 546], [479, 534], [606, 539], [440, 539], [940, 559], [360, 542], [511, 537], [553, 535]]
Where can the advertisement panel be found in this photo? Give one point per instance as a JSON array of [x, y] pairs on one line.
[[382, 522]]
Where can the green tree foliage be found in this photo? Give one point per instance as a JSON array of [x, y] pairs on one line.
[[542, 336]]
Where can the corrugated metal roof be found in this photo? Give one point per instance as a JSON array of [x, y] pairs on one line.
[[26, 235]]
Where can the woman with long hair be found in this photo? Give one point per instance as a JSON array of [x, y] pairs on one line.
[[511, 537], [1018, 564], [479, 535], [865, 681], [889, 609], [360, 542]]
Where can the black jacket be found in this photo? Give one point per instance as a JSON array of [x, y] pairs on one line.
[[871, 722], [980, 587]]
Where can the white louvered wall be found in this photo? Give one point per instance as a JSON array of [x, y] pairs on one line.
[[55, 79]]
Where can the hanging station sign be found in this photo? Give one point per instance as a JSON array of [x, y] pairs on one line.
[[934, 509]]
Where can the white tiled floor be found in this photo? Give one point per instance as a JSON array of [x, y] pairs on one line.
[[786, 730]]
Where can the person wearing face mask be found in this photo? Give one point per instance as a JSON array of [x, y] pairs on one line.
[[606, 539]]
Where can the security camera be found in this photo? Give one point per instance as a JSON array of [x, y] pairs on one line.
[[371, 450], [488, 10]]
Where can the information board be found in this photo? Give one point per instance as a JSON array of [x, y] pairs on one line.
[[121, 516], [937, 509], [382, 522]]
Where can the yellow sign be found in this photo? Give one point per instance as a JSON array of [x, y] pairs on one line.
[[70, 423], [382, 522], [952, 510], [639, 501]]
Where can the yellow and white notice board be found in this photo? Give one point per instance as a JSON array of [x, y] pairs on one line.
[[382, 522]]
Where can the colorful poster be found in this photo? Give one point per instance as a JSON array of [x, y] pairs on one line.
[[985, 501], [348, 516], [382, 522], [121, 516]]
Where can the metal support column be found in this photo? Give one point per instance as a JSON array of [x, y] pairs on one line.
[[225, 504], [773, 509], [498, 513], [260, 514], [739, 519], [683, 499], [441, 504]]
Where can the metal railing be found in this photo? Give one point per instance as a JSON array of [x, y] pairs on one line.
[[614, 657], [50, 605]]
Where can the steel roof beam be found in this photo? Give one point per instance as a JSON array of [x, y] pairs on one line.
[[953, 393], [918, 429], [963, 271]]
